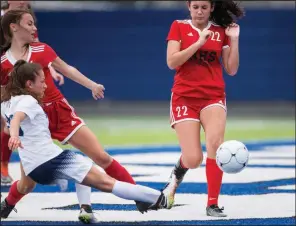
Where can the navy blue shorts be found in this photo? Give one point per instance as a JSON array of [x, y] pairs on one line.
[[66, 166]]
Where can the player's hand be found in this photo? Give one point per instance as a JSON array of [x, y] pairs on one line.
[[232, 31], [204, 36], [97, 91], [59, 78], [14, 143]]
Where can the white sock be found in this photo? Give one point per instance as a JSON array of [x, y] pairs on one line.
[[135, 192], [83, 194]]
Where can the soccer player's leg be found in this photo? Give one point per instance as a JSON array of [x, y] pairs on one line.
[[185, 121], [62, 125], [155, 199], [81, 137], [6, 179], [17, 191], [213, 120]]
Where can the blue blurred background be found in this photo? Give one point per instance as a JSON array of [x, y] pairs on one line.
[[124, 48]]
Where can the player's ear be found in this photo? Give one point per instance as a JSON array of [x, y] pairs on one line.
[[29, 84], [13, 27]]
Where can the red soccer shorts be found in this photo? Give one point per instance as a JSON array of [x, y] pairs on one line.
[[63, 121], [189, 108]]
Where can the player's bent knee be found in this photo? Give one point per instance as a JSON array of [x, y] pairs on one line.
[[192, 162]]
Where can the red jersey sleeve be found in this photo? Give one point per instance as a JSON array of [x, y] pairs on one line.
[[49, 56], [174, 33]]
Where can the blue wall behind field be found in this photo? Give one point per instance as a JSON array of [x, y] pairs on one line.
[[126, 51]]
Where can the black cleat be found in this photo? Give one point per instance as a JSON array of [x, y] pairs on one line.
[[6, 209], [162, 203]]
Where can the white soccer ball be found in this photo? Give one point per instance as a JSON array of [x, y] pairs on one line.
[[232, 156]]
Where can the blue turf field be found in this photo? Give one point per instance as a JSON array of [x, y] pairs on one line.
[[264, 193]]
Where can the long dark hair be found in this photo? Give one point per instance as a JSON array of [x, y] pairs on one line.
[[225, 12], [21, 73], [12, 16]]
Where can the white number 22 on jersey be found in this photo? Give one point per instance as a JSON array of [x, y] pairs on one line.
[[181, 111], [216, 36]]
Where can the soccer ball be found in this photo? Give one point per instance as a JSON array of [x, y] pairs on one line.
[[232, 156]]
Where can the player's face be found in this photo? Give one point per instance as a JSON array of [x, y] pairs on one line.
[[18, 4], [200, 11], [39, 86], [25, 31]]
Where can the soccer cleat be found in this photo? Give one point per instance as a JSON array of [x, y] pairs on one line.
[[175, 180], [215, 211], [6, 180], [86, 215], [6, 209], [161, 203]]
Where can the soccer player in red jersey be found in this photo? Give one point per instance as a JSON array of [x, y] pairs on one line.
[[6, 179], [194, 49], [65, 126]]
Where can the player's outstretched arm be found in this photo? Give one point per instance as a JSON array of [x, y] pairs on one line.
[[75, 75], [230, 56]]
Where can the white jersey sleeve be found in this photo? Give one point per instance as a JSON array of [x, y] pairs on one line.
[[28, 105]]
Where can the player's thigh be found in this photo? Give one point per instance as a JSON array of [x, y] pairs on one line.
[[86, 141], [25, 184], [67, 127], [184, 117], [213, 120], [188, 133]]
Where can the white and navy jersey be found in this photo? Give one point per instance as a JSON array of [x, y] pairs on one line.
[[34, 133]]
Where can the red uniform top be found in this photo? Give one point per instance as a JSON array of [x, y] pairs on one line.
[[38, 53], [201, 76]]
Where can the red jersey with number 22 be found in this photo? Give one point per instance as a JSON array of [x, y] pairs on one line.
[[201, 76], [42, 54]]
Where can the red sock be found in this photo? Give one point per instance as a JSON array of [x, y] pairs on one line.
[[118, 172], [14, 196], [5, 151], [214, 179]]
